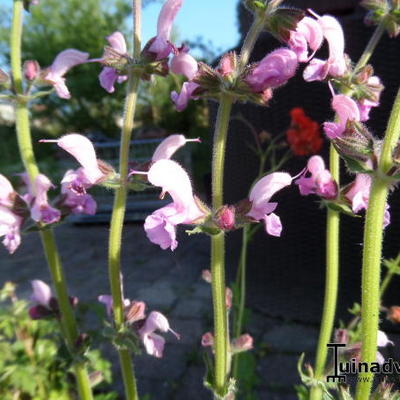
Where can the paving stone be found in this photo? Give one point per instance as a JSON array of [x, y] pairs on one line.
[[160, 295], [171, 367], [292, 338], [192, 386], [191, 307], [278, 371]]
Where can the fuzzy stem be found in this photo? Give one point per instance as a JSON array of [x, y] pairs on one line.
[[218, 247], [118, 212], [372, 252], [68, 322], [331, 282]]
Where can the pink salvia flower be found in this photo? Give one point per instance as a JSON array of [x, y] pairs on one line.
[[61, 65], [167, 148], [347, 110], [160, 226], [41, 293], [320, 182], [153, 343], [181, 99], [10, 224], [107, 300], [260, 195], [81, 148], [274, 70], [308, 33], [358, 196], [336, 64], [109, 76], [6, 192], [364, 107], [184, 64], [207, 340], [242, 343], [161, 45], [41, 210]]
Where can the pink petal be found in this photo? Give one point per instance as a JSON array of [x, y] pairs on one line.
[[273, 225], [81, 148], [117, 42], [168, 147], [41, 292], [6, 190], [108, 76], [316, 70], [184, 64], [181, 100], [65, 61], [160, 230], [154, 344]]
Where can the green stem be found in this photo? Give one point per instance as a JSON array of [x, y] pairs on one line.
[[385, 283], [68, 322], [218, 247], [241, 284], [372, 252], [331, 282], [118, 213]]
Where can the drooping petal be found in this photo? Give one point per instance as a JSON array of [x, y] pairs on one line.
[[107, 300], [181, 100], [154, 344], [108, 76], [383, 340], [117, 42], [184, 64], [6, 191], [274, 70], [10, 228], [316, 70], [41, 292], [81, 148], [273, 225]]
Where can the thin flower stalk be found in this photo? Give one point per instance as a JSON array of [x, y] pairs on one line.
[[372, 253], [68, 322], [118, 212]]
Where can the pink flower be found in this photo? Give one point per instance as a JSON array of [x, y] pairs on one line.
[[31, 70], [184, 64], [41, 293], [108, 76], [107, 300], [41, 211], [160, 226], [81, 148], [153, 343], [206, 275], [10, 224], [358, 195], [336, 64], [161, 45], [260, 195], [73, 187], [308, 33], [6, 192], [167, 148], [274, 70], [207, 340], [181, 100], [226, 218], [61, 65], [364, 107], [347, 110], [320, 182], [242, 343]]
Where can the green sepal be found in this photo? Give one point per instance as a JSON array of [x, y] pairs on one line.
[[283, 20], [339, 207]]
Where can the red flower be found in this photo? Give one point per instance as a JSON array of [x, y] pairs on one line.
[[303, 135]]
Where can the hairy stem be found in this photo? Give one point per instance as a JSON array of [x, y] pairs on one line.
[[372, 253], [68, 322], [118, 213], [218, 247]]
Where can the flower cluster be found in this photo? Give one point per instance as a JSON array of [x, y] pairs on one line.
[[144, 327]]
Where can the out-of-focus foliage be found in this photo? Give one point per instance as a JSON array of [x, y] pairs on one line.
[[33, 364]]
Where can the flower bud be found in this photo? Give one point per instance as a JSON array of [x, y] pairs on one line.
[[39, 312], [394, 314], [341, 336], [228, 298], [31, 70], [242, 343], [184, 64], [135, 312], [207, 339], [227, 64], [4, 78], [206, 275], [225, 218]]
